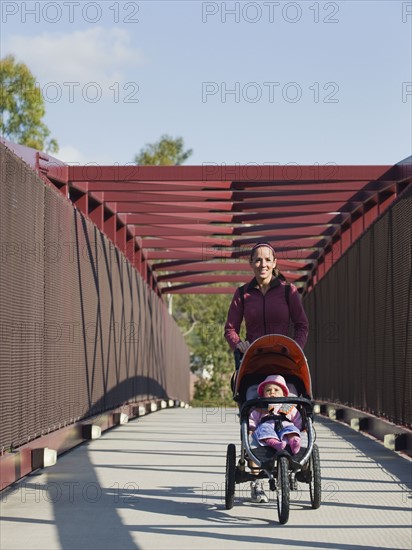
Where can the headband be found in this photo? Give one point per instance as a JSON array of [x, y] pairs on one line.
[[258, 245]]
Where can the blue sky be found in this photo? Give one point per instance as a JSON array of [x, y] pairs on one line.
[[242, 82]]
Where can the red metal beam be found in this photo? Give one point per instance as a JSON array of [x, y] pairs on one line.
[[287, 207], [185, 218], [214, 172], [241, 189], [210, 278], [167, 186], [207, 242], [240, 265], [155, 208], [187, 242], [203, 229], [180, 230], [279, 230], [284, 206], [287, 218], [199, 289], [310, 186], [171, 196]]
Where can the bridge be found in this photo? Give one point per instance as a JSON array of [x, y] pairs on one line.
[[88, 257]]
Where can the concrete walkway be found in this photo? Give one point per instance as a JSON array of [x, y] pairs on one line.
[[158, 482]]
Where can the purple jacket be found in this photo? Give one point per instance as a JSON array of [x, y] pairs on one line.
[[267, 314]]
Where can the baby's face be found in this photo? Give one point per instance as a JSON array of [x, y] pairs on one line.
[[272, 390]]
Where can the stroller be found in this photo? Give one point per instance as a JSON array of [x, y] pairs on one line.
[[275, 354]]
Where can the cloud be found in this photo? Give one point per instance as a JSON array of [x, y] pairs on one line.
[[70, 154], [94, 55]]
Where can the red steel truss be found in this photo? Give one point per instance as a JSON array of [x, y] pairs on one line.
[[188, 229]]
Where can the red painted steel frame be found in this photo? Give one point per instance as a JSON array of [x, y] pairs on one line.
[[194, 225]]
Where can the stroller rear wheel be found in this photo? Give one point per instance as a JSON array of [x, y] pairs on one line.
[[282, 489], [230, 476], [315, 484]]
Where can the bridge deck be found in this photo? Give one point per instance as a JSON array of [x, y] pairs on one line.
[[158, 482]]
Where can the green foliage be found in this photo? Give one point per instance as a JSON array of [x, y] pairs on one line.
[[202, 319], [167, 151], [22, 107]]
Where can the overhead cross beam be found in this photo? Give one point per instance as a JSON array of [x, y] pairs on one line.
[[189, 229]]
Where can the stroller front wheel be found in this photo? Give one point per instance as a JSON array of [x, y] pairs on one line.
[[282, 489], [230, 476], [315, 484]]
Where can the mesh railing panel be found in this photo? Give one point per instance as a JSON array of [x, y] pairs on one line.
[[21, 298], [360, 345], [81, 332]]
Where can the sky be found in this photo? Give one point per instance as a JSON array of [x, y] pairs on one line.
[[242, 82]]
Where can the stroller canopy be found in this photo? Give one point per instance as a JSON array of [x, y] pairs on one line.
[[274, 354]]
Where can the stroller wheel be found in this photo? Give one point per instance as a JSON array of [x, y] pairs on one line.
[[282, 489], [315, 483], [230, 476]]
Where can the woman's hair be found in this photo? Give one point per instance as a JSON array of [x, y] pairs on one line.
[[276, 271]]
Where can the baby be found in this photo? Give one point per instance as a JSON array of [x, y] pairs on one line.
[[282, 424]]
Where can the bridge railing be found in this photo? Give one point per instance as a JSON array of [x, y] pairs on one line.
[[81, 332], [360, 345]]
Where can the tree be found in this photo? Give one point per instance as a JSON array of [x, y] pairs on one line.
[[167, 151], [22, 107]]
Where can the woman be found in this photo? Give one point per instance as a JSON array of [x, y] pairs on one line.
[[266, 304]]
